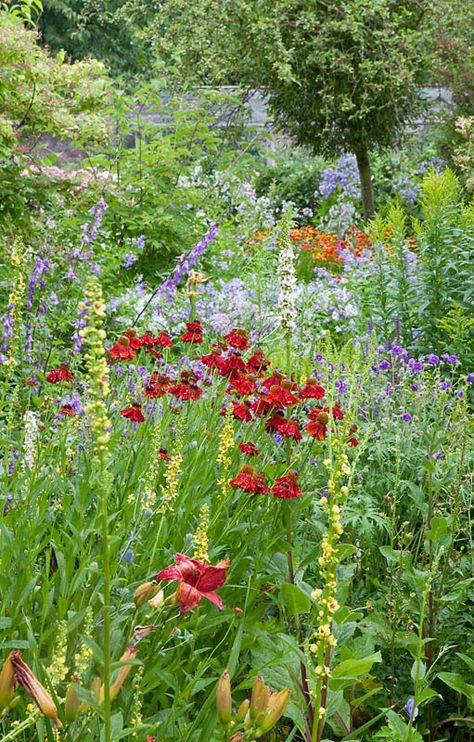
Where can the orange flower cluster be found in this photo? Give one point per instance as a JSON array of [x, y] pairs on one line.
[[326, 247]]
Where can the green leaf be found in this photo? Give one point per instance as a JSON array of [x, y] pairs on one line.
[[391, 555], [418, 670], [355, 668], [468, 660], [439, 528], [294, 599], [455, 681]]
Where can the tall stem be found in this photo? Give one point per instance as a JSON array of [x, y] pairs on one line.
[[106, 568]]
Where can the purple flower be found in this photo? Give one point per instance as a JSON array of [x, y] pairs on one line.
[[438, 454], [384, 365], [433, 359], [445, 385], [449, 358], [414, 387], [470, 378], [415, 366], [460, 393], [397, 350], [411, 709], [406, 417]]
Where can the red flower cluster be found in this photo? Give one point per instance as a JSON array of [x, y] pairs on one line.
[[63, 373], [193, 332], [250, 480]]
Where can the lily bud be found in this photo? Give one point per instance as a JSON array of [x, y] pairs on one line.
[[242, 711], [72, 703], [7, 683], [237, 737], [122, 674], [157, 600], [96, 687], [224, 698], [259, 698], [25, 677], [145, 591], [276, 707]]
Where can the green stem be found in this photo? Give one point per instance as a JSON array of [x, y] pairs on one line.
[[106, 568]]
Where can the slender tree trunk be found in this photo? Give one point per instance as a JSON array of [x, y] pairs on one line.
[[365, 174]]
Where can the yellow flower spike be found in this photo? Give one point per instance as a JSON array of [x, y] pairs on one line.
[[200, 538]]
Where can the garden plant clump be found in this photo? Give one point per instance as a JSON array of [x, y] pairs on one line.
[[236, 423]]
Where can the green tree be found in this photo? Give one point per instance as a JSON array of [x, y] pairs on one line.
[[340, 75]]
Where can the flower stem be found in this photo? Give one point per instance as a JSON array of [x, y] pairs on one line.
[[106, 568]]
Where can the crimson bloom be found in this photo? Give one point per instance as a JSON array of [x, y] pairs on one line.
[[249, 448], [66, 409], [63, 373], [286, 487], [135, 341], [257, 362], [147, 340], [319, 417], [237, 339], [290, 429], [193, 332], [163, 454], [122, 349], [352, 440], [250, 480], [312, 390], [134, 412], [186, 388], [232, 366], [280, 396], [196, 581], [242, 411], [163, 340], [156, 386], [244, 384]]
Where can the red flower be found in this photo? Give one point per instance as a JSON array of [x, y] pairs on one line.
[[273, 423], [163, 340], [147, 340], [193, 333], [210, 359], [156, 386], [290, 429], [242, 411], [63, 373], [274, 380], [135, 342], [231, 366], [287, 487], [163, 454], [196, 581], [250, 480], [122, 349], [262, 407], [257, 362], [185, 390], [67, 410], [319, 417], [249, 448], [352, 440], [312, 390], [280, 396], [243, 384], [134, 412], [237, 339]]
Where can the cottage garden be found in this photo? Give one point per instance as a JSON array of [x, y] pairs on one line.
[[236, 421]]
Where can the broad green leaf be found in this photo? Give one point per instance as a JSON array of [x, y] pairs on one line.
[[439, 528], [294, 599], [355, 668], [457, 683], [418, 670]]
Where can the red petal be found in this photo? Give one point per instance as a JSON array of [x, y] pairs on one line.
[[189, 597], [214, 599], [212, 578]]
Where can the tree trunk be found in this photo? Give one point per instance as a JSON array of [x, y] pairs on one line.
[[365, 175]]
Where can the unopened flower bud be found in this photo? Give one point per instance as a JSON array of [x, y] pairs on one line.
[[276, 706], [157, 600], [25, 677], [224, 698], [7, 683], [72, 702], [242, 710], [122, 673], [259, 699], [145, 591]]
